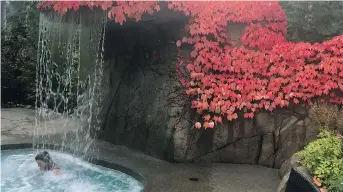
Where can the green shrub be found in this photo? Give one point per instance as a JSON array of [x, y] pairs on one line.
[[335, 185], [324, 158]]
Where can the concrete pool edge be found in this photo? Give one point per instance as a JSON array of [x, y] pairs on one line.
[[89, 158]]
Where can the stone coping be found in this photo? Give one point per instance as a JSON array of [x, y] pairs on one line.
[[89, 158]]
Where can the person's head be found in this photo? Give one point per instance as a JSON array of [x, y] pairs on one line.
[[44, 161]]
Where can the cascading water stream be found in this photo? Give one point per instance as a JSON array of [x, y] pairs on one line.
[[69, 78], [69, 90]]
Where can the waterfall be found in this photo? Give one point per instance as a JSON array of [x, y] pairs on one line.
[[69, 78], [3, 13]]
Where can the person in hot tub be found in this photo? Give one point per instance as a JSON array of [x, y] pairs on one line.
[[45, 163]]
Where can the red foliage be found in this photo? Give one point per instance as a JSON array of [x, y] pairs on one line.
[[264, 37], [118, 11], [226, 78], [223, 78]]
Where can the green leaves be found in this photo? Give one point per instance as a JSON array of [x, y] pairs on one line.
[[324, 158], [18, 52]]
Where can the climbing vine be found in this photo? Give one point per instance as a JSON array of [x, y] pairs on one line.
[[262, 71]]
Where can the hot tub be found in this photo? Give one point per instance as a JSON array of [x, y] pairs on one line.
[[20, 173]]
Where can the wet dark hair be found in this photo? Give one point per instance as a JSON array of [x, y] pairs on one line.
[[43, 156], [46, 158]]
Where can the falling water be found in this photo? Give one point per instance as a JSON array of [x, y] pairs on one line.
[[4, 5], [69, 75]]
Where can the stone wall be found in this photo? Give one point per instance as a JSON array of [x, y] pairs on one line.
[[146, 109], [268, 139]]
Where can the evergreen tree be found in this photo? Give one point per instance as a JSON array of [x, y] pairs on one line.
[[19, 40], [313, 21]]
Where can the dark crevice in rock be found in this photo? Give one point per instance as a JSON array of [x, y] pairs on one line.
[[190, 142], [113, 98], [126, 119], [169, 144], [278, 144], [281, 142], [169, 152], [273, 155], [147, 133], [276, 138], [259, 150], [305, 133], [270, 156]]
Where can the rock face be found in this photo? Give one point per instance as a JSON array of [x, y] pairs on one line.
[[144, 117], [290, 163], [267, 140], [146, 109]]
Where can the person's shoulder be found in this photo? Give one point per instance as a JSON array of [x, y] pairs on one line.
[[55, 166], [56, 171]]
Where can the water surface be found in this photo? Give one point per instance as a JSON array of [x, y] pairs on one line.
[[19, 173]]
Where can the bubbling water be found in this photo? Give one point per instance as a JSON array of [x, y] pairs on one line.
[[19, 173]]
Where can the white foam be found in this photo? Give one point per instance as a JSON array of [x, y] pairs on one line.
[[81, 187], [51, 177], [20, 173], [68, 158]]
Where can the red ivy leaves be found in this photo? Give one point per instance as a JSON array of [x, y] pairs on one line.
[[223, 78], [117, 10], [132, 9], [248, 80], [264, 37]]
